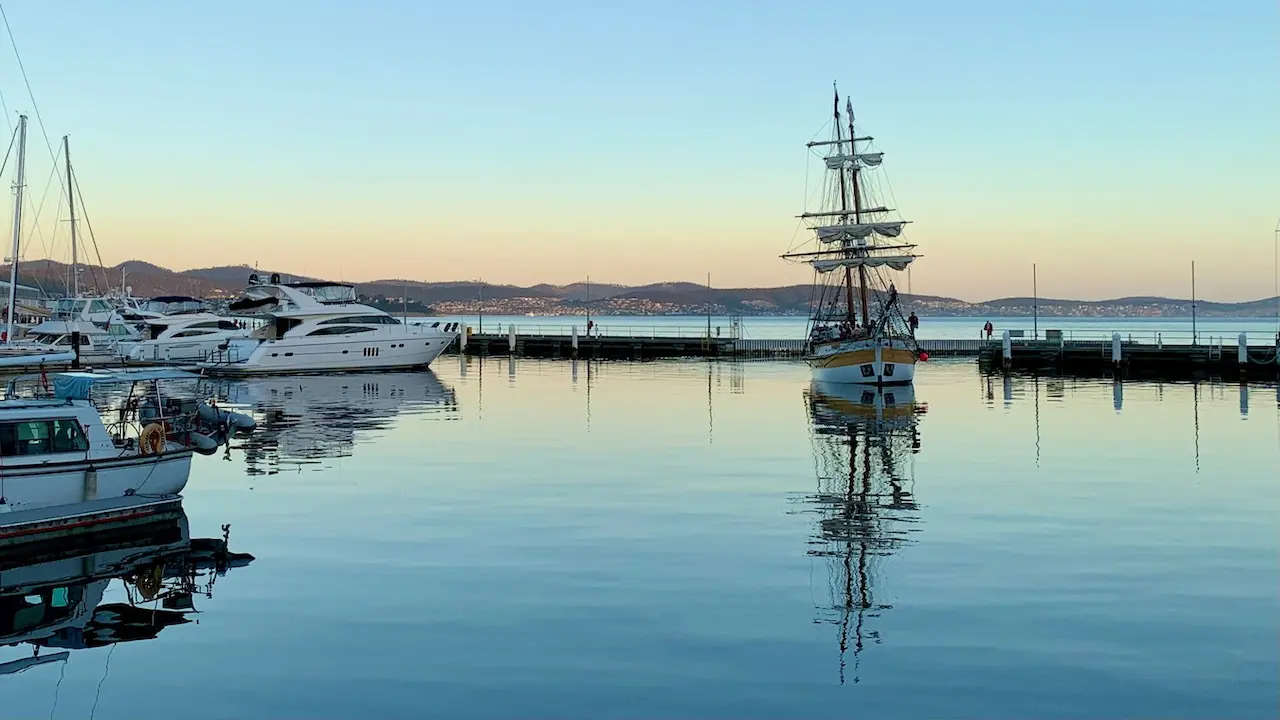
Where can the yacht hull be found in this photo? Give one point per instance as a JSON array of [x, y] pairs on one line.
[[175, 351], [874, 362], [392, 351]]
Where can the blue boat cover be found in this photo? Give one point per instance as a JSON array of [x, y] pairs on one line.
[[77, 385]]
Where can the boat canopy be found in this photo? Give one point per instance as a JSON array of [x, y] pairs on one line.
[[77, 385]]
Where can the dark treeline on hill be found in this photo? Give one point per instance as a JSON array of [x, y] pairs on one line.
[[673, 298]]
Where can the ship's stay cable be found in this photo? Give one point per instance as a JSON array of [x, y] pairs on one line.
[[84, 212], [36, 210]]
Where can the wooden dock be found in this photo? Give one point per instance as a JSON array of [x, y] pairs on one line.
[[645, 346], [1127, 358], [608, 347]]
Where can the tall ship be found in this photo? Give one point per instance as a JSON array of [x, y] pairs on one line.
[[857, 330]]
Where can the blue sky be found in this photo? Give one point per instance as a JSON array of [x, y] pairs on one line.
[[1110, 143]]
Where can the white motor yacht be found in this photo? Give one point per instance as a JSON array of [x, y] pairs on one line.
[[179, 329], [320, 327], [100, 327], [137, 312], [98, 344]]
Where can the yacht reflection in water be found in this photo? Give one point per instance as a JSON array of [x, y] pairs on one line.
[[863, 441], [52, 598], [304, 420]]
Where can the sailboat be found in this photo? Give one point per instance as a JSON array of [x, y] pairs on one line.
[[856, 243]]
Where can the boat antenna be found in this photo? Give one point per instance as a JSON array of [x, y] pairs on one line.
[[19, 181]]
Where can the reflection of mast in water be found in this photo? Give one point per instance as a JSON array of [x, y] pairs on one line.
[[863, 440]]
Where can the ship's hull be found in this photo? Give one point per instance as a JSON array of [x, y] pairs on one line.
[[873, 362]]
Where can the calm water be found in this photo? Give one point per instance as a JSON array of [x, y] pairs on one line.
[[688, 539]]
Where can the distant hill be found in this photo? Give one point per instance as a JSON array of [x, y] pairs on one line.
[[466, 297]]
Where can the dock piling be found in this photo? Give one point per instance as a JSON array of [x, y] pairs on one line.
[[1116, 354], [1008, 350], [1242, 350], [511, 338]]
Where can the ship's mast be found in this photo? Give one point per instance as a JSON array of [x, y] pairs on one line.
[[71, 202], [18, 183], [857, 212], [844, 207]]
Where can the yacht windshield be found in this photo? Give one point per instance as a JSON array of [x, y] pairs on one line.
[[330, 293], [68, 307], [173, 306]]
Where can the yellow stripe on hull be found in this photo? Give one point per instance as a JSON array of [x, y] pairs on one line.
[[879, 365]]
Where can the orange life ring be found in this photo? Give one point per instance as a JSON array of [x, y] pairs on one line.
[[152, 439]]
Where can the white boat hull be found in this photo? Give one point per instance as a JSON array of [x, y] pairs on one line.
[[57, 486], [393, 348], [171, 351], [874, 362]]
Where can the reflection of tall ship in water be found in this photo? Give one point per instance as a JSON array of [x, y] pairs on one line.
[[59, 598], [863, 440], [304, 420]]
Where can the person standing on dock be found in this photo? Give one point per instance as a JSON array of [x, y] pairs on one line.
[[913, 322], [988, 328]]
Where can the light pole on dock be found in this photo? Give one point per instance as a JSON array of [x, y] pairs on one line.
[[1035, 304], [708, 307], [1194, 339]]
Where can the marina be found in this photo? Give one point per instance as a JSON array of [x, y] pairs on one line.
[[976, 446]]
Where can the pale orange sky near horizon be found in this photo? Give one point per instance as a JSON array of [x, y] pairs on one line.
[[1109, 148]]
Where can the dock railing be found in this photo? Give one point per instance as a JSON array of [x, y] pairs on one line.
[[639, 332], [1142, 337]]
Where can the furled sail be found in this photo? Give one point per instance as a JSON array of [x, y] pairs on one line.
[[861, 160], [896, 262], [860, 230]]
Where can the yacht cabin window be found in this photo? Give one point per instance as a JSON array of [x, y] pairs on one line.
[[362, 320], [41, 437], [341, 330]]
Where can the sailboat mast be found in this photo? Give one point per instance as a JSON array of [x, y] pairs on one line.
[[844, 205], [20, 180], [71, 203], [857, 212]]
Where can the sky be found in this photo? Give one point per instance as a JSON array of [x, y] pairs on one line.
[[1109, 143]]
